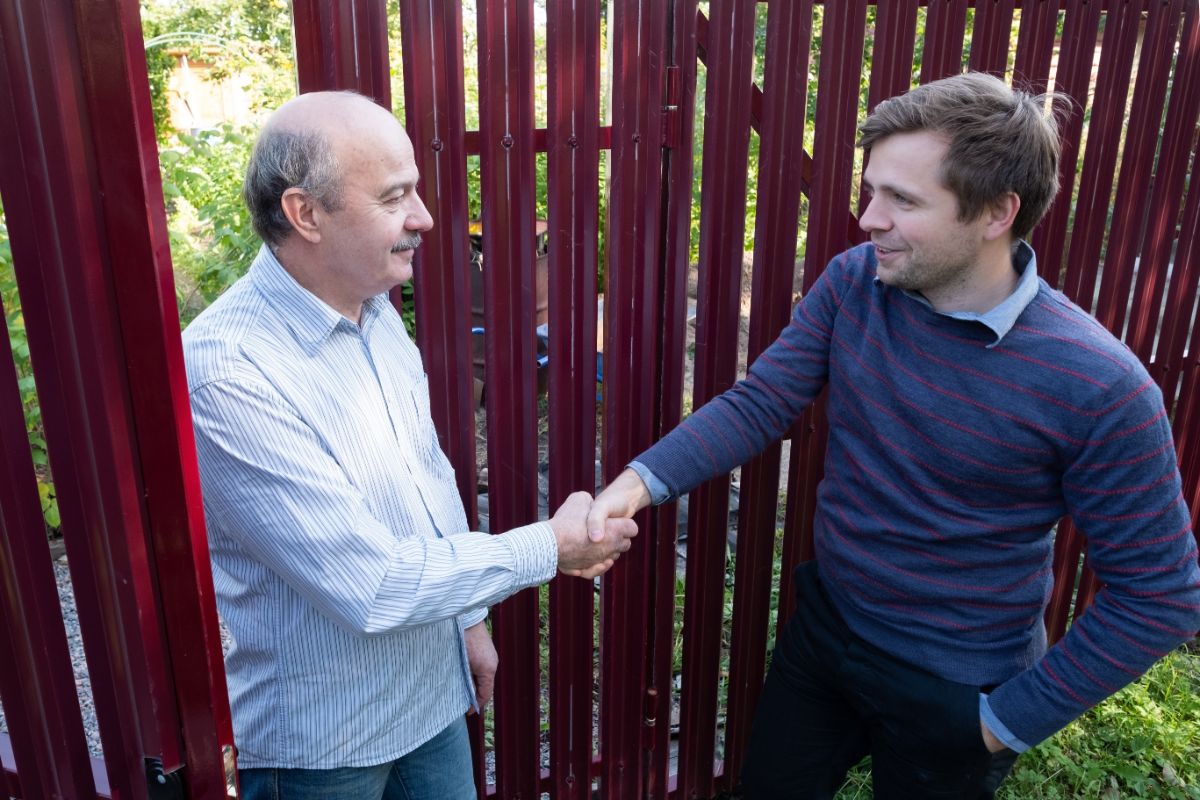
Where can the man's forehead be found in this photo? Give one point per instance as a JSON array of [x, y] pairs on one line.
[[906, 157]]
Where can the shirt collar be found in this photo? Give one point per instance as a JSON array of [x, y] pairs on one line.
[[309, 317], [1000, 319]]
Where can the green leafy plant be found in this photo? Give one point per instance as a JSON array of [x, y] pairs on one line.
[[19, 345]]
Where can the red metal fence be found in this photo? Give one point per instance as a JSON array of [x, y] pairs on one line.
[[81, 192]]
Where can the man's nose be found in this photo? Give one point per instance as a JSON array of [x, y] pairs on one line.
[[873, 217], [420, 218]]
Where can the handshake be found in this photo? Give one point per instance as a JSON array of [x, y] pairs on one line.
[[592, 534]]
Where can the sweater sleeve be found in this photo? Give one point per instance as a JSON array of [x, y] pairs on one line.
[[735, 426], [1123, 492]]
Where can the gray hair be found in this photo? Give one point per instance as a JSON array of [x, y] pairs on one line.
[[282, 160]]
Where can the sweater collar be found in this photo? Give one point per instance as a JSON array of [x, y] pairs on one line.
[[1000, 319]]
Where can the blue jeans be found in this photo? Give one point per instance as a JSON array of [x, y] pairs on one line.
[[440, 769]]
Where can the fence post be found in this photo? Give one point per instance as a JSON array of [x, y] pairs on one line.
[[90, 253]]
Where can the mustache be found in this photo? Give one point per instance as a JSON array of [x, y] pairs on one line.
[[408, 242]]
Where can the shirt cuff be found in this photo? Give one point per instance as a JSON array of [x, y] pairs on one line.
[[998, 728], [473, 617], [534, 550], [659, 493]]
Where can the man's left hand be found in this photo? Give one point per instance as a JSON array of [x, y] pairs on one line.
[[993, 744], [481, 655]]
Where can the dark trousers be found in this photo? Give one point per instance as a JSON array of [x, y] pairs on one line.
[[832, 698]]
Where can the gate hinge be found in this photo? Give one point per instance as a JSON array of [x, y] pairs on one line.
[[671, 113], [162, 785]]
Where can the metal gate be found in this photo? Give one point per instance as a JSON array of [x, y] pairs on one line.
[[80, 187]]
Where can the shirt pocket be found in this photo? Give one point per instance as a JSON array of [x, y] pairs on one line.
[[425, 434]]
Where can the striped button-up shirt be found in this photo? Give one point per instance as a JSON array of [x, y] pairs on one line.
[[341, 557]]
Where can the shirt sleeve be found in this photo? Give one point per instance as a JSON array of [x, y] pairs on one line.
[[274, 492], [735, 426], [1123, 492]]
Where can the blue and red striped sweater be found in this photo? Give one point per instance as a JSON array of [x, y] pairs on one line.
[[949, 463]]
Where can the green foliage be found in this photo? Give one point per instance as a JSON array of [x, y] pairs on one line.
[[249, 39], [19, 344], [1142, 742], [212, 242]]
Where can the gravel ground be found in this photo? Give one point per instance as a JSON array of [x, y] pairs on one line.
[[83, 686]]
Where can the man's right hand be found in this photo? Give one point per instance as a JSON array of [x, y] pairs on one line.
[[622, 498], [579, 554]]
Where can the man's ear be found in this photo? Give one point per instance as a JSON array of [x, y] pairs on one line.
[[301, 210], [999, 216]]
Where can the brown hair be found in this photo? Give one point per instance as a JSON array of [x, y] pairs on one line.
[[1001, 140]]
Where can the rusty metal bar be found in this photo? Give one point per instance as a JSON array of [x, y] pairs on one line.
[[507, 184], [573, 162], [991, 35], [722, 230], [1076, 56], [945, 32], [1035, 45], [342, 44], [632, 379], [1088, 232], [789, 35]]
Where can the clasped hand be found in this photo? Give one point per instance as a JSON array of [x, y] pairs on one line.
[[587, 556], [593, 534]]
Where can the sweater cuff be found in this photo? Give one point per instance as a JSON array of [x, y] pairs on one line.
[[534, 550], [659, 493], [998, 728]]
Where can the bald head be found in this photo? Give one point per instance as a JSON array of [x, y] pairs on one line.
[[306, 144]]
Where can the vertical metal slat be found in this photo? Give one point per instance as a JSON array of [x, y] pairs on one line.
[[573, 122], [506, 176], [789, 35]]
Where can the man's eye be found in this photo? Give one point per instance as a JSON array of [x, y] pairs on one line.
[[902, 199]]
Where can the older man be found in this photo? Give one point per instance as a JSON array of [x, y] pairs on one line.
[[344, 569], [971, 406]]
